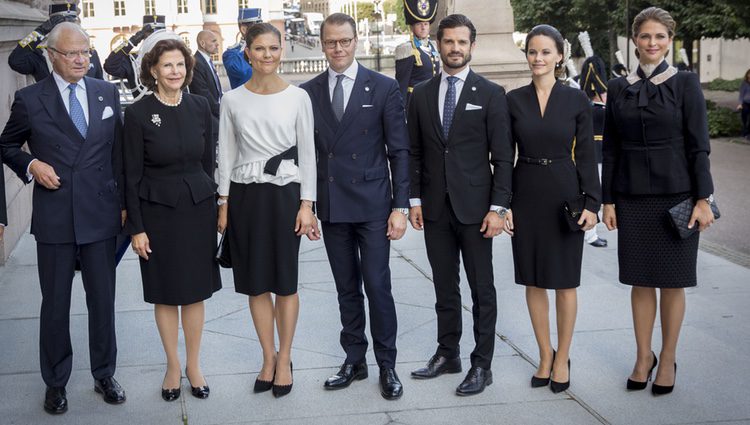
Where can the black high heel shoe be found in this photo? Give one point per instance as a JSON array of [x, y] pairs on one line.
[[171, 394], [638, 385], [199, 392], [664, 389], [558, 387], [282, 390], [262, 386], [542, 382]]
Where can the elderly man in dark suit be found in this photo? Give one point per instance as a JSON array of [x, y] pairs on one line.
[[72, 126], [205, 81], [363, 184], [461, 171]]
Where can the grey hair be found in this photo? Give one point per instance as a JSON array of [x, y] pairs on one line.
[[59, 28]]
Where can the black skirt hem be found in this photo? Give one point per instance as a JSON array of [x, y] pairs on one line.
[[548, 287]]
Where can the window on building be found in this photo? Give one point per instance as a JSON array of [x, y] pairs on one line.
[[182, 6], [87, 7], [119, 7], [149, 7], [243, 3], [185, 36], [209, 7]]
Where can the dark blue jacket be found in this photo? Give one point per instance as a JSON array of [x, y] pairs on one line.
[[363, 162], [86, 207]]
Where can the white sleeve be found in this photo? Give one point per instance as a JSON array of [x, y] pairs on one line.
[[227, 147], [306, 148]]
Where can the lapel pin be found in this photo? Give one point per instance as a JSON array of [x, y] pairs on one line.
[[101, 98], [473, 88], [367, 89]]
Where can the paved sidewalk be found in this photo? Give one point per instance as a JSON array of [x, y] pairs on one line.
[[712, 381]]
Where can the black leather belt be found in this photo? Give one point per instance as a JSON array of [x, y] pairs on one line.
[[541, 161], [272, 165]]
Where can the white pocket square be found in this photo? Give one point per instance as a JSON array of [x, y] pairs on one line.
[[367, 106], [471, 107], [107, 113]]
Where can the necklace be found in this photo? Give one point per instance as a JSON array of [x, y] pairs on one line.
[[165, 103]]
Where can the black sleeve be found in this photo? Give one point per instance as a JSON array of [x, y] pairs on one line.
[[117, 146], [610, 146], [133, 163], [502, 149], [209, 146], [15, 134], [585, 155], [118, 63], [415, 146], [26, 60], [695, 129]]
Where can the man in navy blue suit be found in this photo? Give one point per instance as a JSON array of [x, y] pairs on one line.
[[72, 126], [363, 190]]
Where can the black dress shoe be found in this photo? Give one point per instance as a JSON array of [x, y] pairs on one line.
[[345, 376], [664, 389], [55, 400], [262, 386], [437, 366], [599, 243], [638, 385], [282, 390], [558, 387], [390, 385], [170, 394], [475, 382], [201, 392], [110, 390], [542, 382]]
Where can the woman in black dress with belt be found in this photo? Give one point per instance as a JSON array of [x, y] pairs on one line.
[[551, 125], [656, 150], [169, 163]]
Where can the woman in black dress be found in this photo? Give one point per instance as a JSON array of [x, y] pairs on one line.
[[656, 150], [169, 161], [551, 125]]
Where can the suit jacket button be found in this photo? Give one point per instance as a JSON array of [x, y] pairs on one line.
[[101, 168], [330, 156], [330, 179], [354, 156], [446, 151]]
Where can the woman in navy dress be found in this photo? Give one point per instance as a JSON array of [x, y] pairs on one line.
[[656, 150], [552, 127]]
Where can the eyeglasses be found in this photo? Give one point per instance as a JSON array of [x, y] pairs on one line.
[[331, 44], [72, 55]]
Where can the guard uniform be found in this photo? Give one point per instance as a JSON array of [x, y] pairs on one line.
[[416, 60], [235, 62], [593, 82], [28, 58]]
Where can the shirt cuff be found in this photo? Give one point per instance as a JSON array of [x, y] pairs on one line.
[[29, 176], [415, 202], [494, 207]]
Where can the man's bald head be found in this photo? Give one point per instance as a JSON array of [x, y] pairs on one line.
[[208, 42]]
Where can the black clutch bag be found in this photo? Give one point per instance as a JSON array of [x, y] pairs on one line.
[[222, 252], [572, 210], [679, 216]]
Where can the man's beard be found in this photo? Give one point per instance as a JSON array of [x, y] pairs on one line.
[[461, 64]]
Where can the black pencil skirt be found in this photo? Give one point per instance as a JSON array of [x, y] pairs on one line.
[[649, 251], [263, 245]]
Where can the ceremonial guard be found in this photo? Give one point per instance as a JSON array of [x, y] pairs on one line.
[[122, 63], [235, 61], [30, 55], [418, 59]]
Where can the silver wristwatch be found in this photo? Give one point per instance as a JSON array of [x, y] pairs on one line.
[[221, 201], [710, 199], [501, 211], [404, 211]]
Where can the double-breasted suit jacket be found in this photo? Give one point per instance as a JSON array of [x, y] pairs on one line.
[[86, 207], [355, 183]]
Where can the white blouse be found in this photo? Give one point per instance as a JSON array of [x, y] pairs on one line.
[[255, 127]]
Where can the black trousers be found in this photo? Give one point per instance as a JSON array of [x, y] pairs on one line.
[[359, 252], [446, 238], [56, 269]]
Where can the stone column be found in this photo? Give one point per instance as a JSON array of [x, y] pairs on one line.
[[496, 57]]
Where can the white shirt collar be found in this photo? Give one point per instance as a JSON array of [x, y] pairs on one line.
[[205, 55], [461, 75], [350, 72], [62, 84]]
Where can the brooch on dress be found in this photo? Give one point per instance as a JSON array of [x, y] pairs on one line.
[[156, 120]]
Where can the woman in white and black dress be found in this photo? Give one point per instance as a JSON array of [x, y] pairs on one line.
[[267, 186], [656, 150], [170, 199]]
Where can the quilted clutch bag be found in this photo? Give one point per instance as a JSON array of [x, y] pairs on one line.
[[679, 216]]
